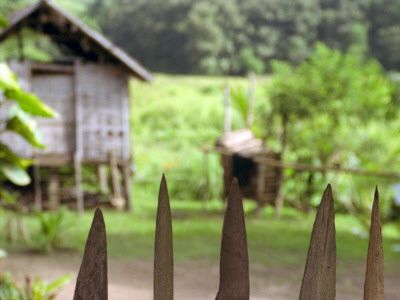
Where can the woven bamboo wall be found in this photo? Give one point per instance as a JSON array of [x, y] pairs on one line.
[[103, 99], [92, 100]]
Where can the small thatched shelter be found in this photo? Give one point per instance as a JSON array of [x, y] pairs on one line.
[[89, 91], [241, 156]]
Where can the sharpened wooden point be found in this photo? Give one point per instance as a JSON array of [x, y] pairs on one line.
[[319, 280], [163, 249], [374, 277], [234, 262], [92, 282]]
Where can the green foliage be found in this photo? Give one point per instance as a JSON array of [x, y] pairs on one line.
[[318, 105], [53, 226], [35, 289], [9, 288], [214, 37], [187, 178], [384, 32], [21, 123], [3, 22], [240, 102], [174, 117], [250, 61]]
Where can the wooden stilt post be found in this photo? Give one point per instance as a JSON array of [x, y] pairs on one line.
[[102, 175], [260, 188], [117, 200], [53, 190], [206, 192], [126, 171], [78, 184], [37, 187]]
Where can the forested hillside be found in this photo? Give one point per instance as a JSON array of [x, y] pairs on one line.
[[232, 37]]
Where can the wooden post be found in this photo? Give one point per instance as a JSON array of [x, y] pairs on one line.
[[260, 188], [117, 200], [280, 197], [37, 187], [78, 140], [234, 262], [53, 190], [250, 105], [102, 176], [92, 281], [374, 278], [227, 109], [163, 248], [319, 280], [126, 171], [78, 184], [206, 192]]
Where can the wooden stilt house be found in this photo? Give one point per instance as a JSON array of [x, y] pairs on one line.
[[241, 156], [88, 88]]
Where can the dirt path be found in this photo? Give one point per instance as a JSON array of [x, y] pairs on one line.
[[193, 281]]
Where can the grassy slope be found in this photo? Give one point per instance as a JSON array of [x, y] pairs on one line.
[[172, 118]]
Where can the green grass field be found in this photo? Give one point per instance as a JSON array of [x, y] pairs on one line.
[[197, 234]]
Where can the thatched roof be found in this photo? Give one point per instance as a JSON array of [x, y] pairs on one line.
[[241, 142], [63, 28]]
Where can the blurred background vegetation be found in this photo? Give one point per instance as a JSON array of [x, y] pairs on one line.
[[327, 94]]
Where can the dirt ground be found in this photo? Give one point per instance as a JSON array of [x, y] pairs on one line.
[[194, 280]]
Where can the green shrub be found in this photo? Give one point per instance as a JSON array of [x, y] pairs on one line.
[[36, 289], [52, 227], [332, 110]]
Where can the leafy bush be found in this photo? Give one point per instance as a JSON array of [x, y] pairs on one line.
[[35, 289], [187, 178], [53, 226], [331, 110]]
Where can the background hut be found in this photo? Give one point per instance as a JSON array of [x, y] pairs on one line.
[[241, 157], [88, 88]]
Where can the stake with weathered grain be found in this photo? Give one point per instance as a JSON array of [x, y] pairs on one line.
[[319, 280], [374, 278], [234, 262], [163, 254], [92, 280]]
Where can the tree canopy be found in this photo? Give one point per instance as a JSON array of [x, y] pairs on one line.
[[234, 37]]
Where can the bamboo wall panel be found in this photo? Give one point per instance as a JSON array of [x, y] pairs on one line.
[[103, 96], [57, 91]]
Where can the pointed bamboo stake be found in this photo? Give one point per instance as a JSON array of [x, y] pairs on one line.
[[163, 254], [92, 280], [374, 278], [319, 280], [234, 262]]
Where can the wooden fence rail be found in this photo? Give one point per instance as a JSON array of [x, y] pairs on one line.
[[319, 280]]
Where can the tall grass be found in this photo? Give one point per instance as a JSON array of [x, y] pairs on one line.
[[172, 118]]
